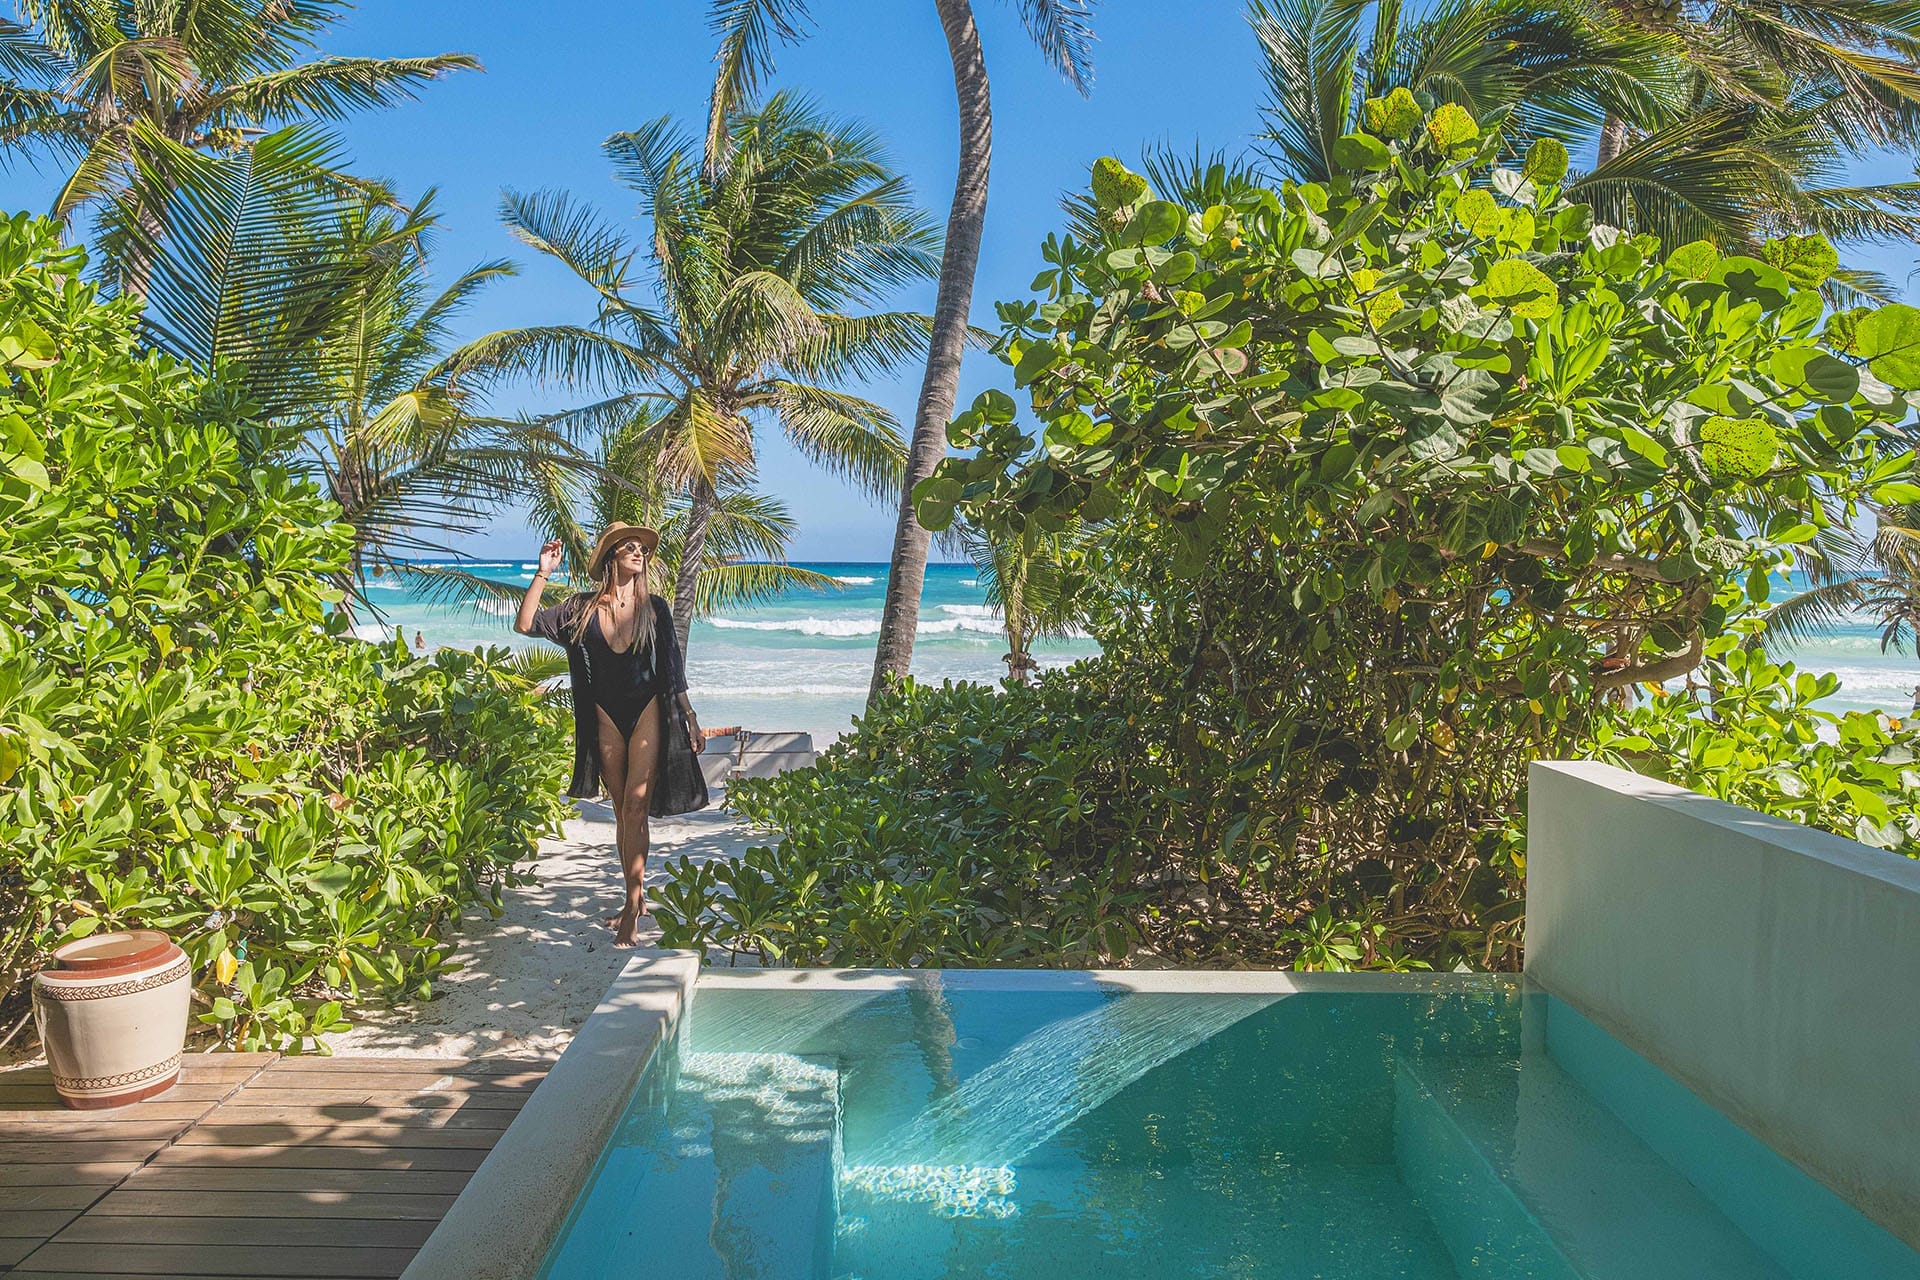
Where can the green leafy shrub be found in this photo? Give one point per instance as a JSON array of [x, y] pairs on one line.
[[1382, 488], [956, 825], [187, 741], [963, 826], [1751, 733]]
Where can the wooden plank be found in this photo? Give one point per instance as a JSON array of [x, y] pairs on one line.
[[12, 1251], [283, 1233], [499, 1099], [442, 1066], [38, 1126], [35, 1224], [195, 1068], [348, 1114], [175, 1260], [177, 1114], [393, 1062], [106, 1275], [274, 1079], [52, 1152], [81, 1173], [53, 1111], [57, 1197], [213, 1133], [12, 1095], [198, 1177], [369, 1205], [393, 1156]]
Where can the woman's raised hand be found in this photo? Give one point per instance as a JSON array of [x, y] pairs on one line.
[[550, 556]]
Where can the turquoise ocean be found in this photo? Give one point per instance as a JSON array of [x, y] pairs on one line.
[[803, 662]]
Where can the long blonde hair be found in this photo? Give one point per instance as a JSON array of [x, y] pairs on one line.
[[603, 587]]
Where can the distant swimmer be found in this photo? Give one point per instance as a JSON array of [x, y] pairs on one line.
[[419, 642]]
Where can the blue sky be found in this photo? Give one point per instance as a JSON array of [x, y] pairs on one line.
[[563, 75]]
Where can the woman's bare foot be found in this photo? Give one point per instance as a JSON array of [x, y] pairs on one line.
[[625, 925]]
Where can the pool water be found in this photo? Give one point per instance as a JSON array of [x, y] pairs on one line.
[[954, 1127]]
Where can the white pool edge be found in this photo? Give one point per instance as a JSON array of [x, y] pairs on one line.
[[509, 1213]]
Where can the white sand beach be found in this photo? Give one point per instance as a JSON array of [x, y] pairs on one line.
[[530, 978]]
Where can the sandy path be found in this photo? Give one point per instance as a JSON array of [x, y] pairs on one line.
[[531, 977]]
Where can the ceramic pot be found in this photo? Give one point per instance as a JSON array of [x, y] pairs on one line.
[[113, 1017]]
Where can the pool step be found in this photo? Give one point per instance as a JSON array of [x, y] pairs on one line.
[[1526, 1175], [740, 1182]]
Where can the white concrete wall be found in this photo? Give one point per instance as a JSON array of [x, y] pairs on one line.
[[1772, 968]]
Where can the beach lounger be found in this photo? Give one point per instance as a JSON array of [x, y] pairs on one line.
[[745, 754]]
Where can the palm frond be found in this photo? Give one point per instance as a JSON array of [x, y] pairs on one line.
[[1063, 32], [748, 31], [1310, 60], [329, 89]]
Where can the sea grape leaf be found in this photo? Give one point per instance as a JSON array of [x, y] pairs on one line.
[[1694, 261], [1394, 116], [1522, 288], [1451, 128], [1889, 340], [1546, 163]]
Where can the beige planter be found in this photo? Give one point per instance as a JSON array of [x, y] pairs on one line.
[[113, 1017]]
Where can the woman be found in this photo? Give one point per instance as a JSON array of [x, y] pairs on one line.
[[625, 663]]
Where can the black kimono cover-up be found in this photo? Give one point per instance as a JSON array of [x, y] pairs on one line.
[[555, 623]]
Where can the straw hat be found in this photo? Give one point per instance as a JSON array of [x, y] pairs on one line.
[[617, 532]]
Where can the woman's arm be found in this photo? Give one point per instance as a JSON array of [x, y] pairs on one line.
[[530, 602]]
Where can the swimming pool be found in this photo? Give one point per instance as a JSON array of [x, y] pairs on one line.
[[1057, 1126]]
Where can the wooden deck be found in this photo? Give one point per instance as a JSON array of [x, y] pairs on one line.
[[253, 1165]]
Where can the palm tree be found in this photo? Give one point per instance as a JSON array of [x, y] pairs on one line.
[[748, 31], [97, 85], [1033, 577], [1687, 147], [746, 304], [319, 302]]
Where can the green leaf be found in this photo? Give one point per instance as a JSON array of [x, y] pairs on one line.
[[1807, 260], [1522, 288], [1738, 448], [1395, 116], [1694, 261], [1451, 128], [1155, 222], [1361, 152], [1115, 186], [1750, 278], [1478, 212], [1889, 340], [1826, 378], [1546, 163]]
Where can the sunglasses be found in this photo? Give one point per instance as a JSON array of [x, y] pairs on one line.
[[629, 545]]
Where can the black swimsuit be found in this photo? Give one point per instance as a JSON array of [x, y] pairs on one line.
[[622, 683]]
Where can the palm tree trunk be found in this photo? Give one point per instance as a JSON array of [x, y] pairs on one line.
[[907, 573], [1613, 140], [692, 549]]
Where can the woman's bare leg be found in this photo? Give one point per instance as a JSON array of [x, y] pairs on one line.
[[613, 775], [630, 826]]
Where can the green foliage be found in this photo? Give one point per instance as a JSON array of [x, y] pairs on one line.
[[186, 740], [961, 826], [1395, 482], [1751, 734]]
